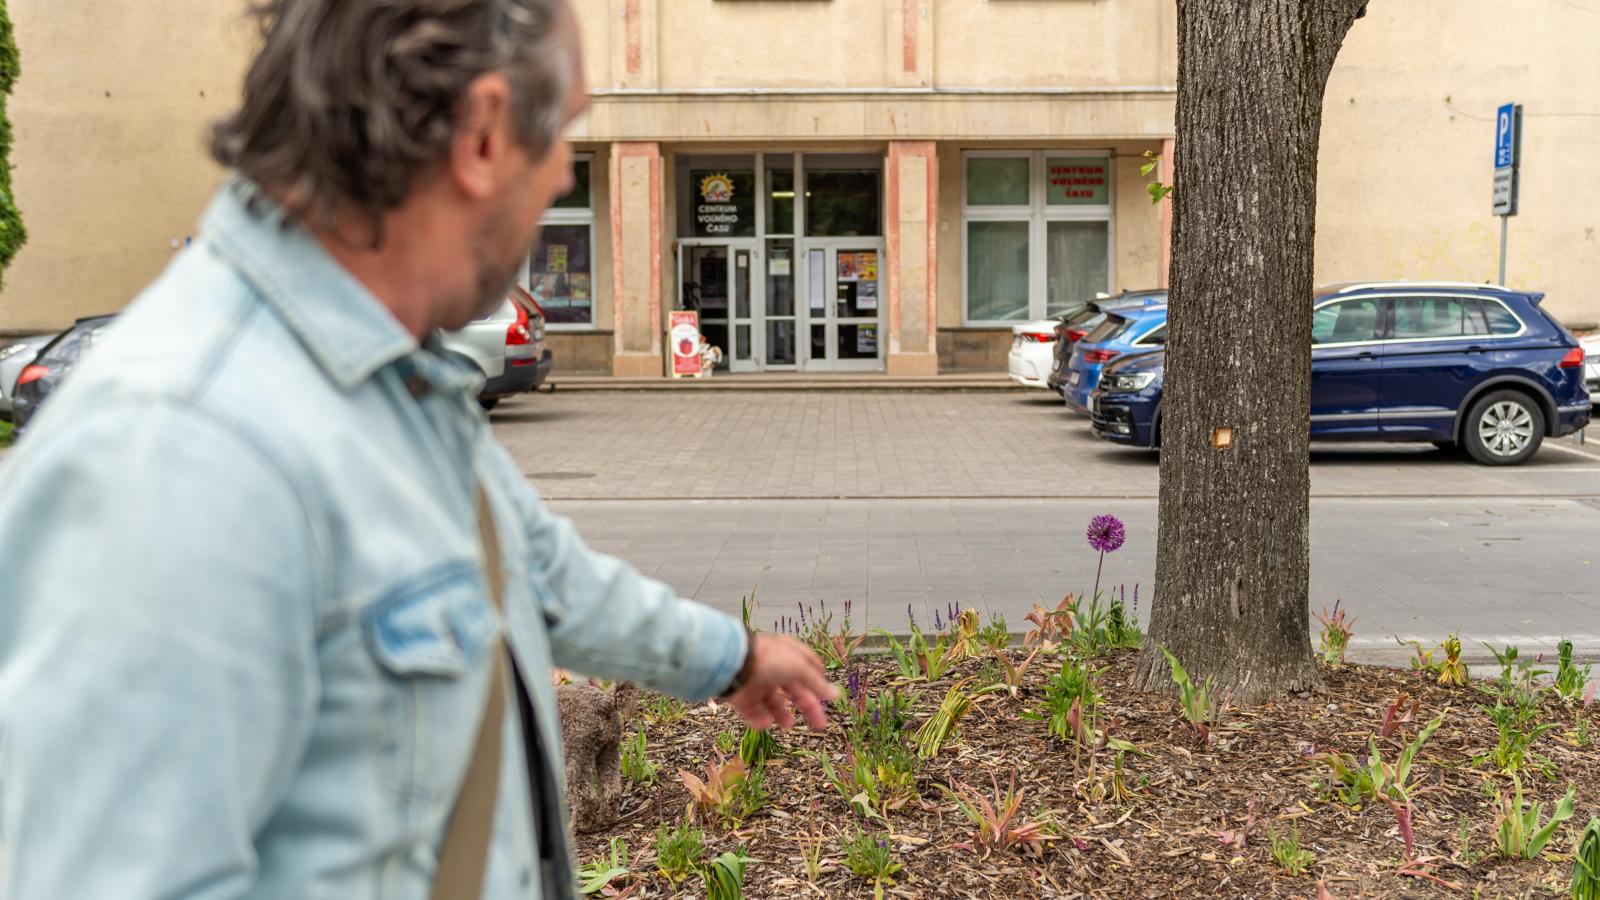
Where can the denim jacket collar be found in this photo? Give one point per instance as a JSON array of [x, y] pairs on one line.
[[344, 327]]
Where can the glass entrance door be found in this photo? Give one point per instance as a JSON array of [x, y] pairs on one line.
[[721, 281], [845, 309]]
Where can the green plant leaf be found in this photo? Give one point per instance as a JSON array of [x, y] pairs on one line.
[[1563, 811]]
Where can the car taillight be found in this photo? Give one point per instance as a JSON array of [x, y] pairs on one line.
[[1572, 360], [1043, 337], [1101, 356], [517, 332], [1075, 334], [31, 374]]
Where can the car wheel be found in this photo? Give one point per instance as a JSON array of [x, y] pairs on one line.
[[1503, 428], [488, 403]]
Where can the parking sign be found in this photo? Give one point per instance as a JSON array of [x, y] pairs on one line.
[[1505, 136], [1507, 150]]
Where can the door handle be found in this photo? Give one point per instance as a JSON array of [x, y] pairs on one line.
[[1366, 354], [1474, 349]]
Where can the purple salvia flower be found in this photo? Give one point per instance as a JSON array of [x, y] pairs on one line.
[[824, 602], [874, 715], [802, 608], [910, 617], [847, 609], [1106, 533], [853, 682], [937, 625]]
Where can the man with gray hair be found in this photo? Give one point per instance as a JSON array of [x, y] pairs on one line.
[[279, 612]]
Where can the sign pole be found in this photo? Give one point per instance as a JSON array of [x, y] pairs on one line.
[[1507, 171], [1505, 222]]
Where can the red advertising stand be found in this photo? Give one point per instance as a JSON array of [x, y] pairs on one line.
[[685, 336]]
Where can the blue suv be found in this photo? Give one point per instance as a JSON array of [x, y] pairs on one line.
[[1466, 365], [1124, 332]]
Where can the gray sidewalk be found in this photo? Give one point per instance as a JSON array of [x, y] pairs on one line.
[[1415, 568], [981, 499]]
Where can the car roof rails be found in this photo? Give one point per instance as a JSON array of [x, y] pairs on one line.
[[1347, 287]]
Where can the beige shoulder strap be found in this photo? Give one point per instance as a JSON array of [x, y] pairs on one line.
[[464, 855]]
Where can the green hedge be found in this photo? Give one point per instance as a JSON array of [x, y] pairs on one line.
[[12, 233]]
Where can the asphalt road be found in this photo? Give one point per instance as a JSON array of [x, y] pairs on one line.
[[927, 500]]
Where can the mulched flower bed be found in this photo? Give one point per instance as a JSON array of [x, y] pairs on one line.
[[1196, 823]]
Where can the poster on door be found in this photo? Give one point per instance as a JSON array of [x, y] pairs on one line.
[[867, 340], [556, 257], [867, 295], [684, 332], [861, 266]]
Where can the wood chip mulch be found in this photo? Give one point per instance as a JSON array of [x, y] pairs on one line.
[[1195, 826]]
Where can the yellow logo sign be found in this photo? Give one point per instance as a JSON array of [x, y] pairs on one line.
[[716, 188]]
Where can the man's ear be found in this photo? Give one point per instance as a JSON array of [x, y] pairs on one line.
[[482, 135]]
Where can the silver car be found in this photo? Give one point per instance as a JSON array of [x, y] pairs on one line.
[[14, 357], [507, 347]]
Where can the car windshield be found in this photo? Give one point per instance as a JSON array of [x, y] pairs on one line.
[[1105, 331], [1156, 337], [76, 342], [1085, 316]]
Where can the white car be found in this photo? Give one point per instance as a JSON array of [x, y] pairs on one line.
[[1591, 366], [507, 346], [1032, 352]]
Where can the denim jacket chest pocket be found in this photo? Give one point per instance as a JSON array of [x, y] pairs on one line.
[[431, 642]]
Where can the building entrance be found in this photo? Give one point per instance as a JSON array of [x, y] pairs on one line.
[[782, 256]]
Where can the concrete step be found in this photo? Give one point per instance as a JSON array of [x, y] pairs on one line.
[[854, 382]]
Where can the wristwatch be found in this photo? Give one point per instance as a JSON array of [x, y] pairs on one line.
[[745, 669]]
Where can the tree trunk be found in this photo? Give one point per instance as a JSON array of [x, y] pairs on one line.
[[1233, 558]]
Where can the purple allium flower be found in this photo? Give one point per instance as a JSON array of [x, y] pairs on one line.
[[1106, 533]]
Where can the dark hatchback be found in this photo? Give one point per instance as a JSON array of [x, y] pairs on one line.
[[1474, 366], [41, 377]]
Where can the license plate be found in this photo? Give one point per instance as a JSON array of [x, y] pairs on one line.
[[1055, 365], [1091, 406], [1076, 377]]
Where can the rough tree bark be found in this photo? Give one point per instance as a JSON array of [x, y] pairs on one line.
[[1233, 557]]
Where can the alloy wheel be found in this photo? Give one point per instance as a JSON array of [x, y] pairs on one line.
[[1506, 428]]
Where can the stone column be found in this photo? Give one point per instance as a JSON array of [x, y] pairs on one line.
[[636, 260], [912, 188]]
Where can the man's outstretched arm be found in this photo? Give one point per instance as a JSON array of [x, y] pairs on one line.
[[606, 619]]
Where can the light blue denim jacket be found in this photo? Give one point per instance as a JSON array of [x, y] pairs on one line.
[[243, 626]]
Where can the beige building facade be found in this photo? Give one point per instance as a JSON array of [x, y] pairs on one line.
[[853, 185]]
